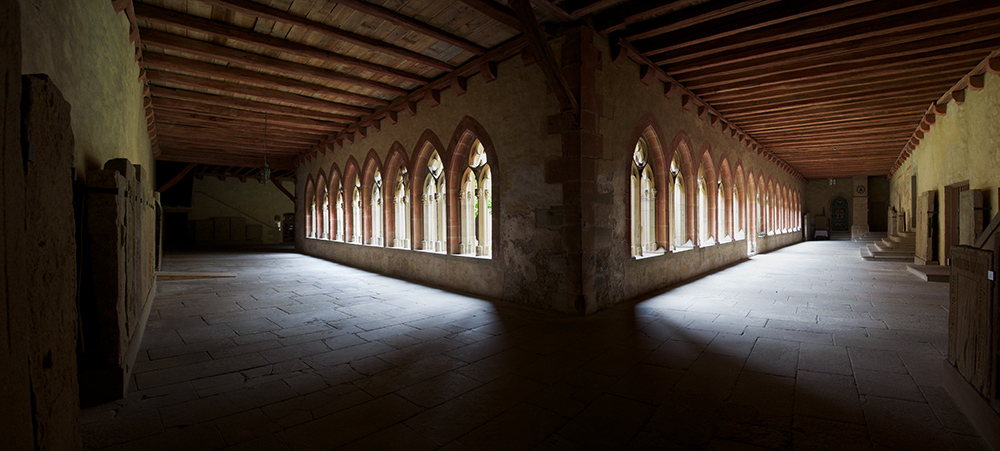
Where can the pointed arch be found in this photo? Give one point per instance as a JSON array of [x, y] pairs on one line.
[[336, 188], [682, 205], [322, 206], [353, 213], [310, 207], [724, 203], [372, 178], [429, 226], [478, 237], [740, 197], [707, 185], [649, 215], [397, 197]]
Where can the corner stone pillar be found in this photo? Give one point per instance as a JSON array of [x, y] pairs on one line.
[[859, 222]]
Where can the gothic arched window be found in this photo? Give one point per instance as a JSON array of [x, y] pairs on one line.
[[435, 214], [643, 204], [476, 202]]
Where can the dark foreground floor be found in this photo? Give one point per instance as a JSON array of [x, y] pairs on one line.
[[805, 348]]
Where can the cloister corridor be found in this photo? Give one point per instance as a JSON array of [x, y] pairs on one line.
[[807, 347]]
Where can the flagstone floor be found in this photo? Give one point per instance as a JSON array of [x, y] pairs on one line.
[[808, 347]]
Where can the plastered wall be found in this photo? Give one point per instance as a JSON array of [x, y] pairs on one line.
[[257, 203], [963, 145], [539, 185], [83, 46]]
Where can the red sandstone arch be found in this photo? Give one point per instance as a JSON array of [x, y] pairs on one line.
[[372, 163], [395, 160], [334, 187], [726, 177], [351, 174], [707, 166], [650, 131], [427, 144], [682, 147], [310, 192], [466, 133], [320, 186]]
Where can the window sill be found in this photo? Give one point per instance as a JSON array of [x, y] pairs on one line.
[[682, 249], [650, 254]]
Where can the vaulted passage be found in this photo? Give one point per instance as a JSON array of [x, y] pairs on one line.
[[786, 350]]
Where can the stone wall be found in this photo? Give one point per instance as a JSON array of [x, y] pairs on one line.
[[962, 145], [255, 203], [629, 107], [560, 192], [528, 263]]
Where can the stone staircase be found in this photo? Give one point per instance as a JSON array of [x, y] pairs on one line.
[[900, 247]]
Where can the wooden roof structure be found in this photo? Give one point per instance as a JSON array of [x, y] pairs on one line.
[[831, 87]]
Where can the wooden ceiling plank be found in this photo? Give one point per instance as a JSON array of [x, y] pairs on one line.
[[883, 67], [596, 6], [720, 36], [638, 11], [921, 76], [226, 31], [496, 12], [160, 61], [796, 99], [884, 73], [247, 104], [250, 116], [851, 41], [715, 25], [168, 41], [413, 24], [160, 78], [305, 133], [185, 156], [253, 145], [256, 9]]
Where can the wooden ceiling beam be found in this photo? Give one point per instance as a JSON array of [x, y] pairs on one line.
[[224, 135], [544, 56], [887, 73], [274, 129], [795, 101], [810, 127], [246, 150], [883, 67], [161, 78], [855, 83], [643, 10], [719, 36], [225, 31], [412, 24], [162, 61], [249, 116], [496, 12], [553, 10], [247, 104], [168, 41], [186, 156], [252, 146], [913, 107], [849, 45], [712, 25], [596, 6], [255, 9], [201, 124]]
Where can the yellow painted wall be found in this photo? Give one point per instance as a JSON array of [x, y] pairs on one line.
[[83, 46], [963, 145]]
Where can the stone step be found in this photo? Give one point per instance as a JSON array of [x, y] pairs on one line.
[[930, 273], [868, 255], [883, 247], [903, 239]]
